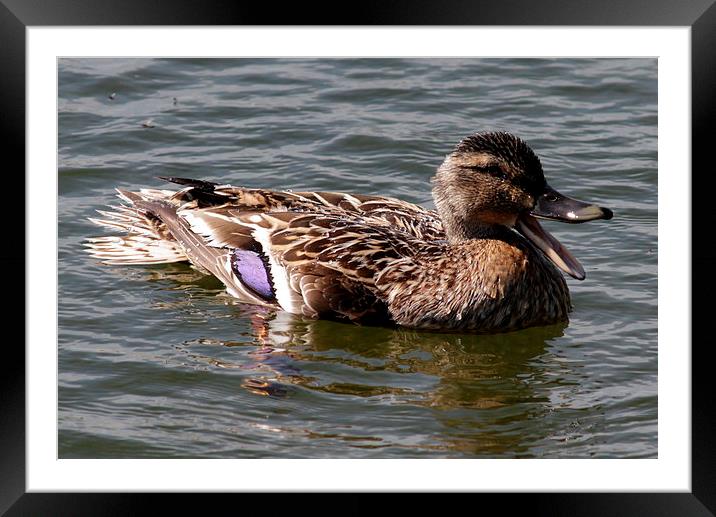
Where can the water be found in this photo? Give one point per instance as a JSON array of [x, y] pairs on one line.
[[159, 362]]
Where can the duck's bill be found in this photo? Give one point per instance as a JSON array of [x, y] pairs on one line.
[[553, 205], [558, 254]]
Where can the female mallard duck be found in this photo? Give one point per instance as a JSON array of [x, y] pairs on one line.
[[481, 262]]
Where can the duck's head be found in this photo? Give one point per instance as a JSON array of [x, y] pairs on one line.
[[494, 179]]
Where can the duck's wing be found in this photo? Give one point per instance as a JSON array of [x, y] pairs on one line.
[[408, 217], [312, 253], [318, 264], [155, 233]]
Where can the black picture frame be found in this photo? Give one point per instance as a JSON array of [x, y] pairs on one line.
[[700, 15]]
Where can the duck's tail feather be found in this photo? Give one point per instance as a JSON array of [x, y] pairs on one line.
[[134, 250], [146, 240], [200, 184]]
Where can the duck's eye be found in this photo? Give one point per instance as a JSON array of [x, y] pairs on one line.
[[492, 170], [495, 170]]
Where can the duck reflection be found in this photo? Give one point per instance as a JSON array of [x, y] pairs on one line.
[[445, 370], [482, 395], [456, 370]]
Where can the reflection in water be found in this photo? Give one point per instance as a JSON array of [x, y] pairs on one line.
[[447, 374], [447, 358]]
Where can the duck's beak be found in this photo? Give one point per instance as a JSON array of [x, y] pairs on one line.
[[553, 205]]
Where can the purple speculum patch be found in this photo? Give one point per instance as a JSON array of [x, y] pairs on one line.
[[252, 270]]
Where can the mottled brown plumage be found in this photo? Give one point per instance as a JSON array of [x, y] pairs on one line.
[[370, 258], [491, 284]]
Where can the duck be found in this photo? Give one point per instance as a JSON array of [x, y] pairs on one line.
[[479, 262]]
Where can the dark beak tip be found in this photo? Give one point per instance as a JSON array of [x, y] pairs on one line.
[[608, 214]]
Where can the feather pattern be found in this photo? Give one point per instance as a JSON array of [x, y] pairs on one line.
[[362, 258]]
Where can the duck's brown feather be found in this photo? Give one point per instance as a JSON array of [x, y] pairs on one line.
[[360, 258]]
